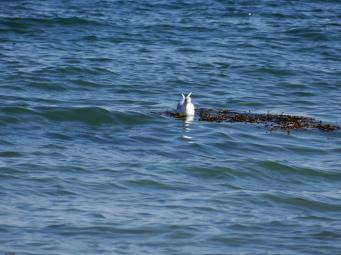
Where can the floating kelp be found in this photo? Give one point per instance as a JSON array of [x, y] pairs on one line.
[[271, 121]]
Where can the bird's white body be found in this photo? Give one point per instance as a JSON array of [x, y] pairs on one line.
[[185, 106]]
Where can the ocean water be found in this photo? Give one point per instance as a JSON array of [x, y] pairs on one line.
[[90, 164]]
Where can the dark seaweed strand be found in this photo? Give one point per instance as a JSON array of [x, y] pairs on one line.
[[271, 121]]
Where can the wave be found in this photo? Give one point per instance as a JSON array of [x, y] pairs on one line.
[[87, 115], [67, 230], [73, 70], [27, 22], [308, 33], [294, 171], [300, 201]]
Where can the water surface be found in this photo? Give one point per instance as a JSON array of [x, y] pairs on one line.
[[89, 164]]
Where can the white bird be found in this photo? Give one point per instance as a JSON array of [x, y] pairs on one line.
[[185, 106]]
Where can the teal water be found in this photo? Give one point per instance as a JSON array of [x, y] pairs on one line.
[[90, 164]]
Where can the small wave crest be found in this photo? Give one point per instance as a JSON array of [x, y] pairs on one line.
[[87, 115]]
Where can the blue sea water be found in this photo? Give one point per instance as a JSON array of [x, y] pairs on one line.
[[90, 164]]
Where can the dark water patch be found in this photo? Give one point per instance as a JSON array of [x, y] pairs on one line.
[[336, 150], [233, 240], [303, 94], [134, 118], [278, 72], [67, 230], [310, 34], [307, 150], [26, 22], [59, 136], [52, 154], [11, 171], [69, 68], [287, 170], [5, 142], [14, 110], [8, 120], [290, 85], [100, 60], [120, 39], [16, 23], [189, 50], [332, 55], [86, 84], [148, 140], [96, 215], [302, 202], [88, 115], [10, 154], [90, 38], [180, 234], [218, 173], [326, 235], [220, 65], [62, 193], [176, 28], [180, 82], [14, 114], [16, 31], [6, 177], [76, 69], [151, 184], [251, 103], [19, 100], [49, 86]]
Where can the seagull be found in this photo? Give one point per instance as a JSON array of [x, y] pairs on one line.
[[185, 106]]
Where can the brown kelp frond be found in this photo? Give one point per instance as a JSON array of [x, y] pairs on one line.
[[271, 121]]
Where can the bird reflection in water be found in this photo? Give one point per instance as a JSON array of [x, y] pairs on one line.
[[187, 121]]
